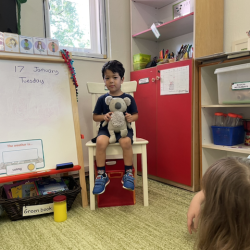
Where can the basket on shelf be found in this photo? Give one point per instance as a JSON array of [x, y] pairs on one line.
[[14, 207], [228, 136]]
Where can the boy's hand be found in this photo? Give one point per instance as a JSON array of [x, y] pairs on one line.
[[129, 117], [107, 117]]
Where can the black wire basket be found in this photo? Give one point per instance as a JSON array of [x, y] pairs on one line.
[[14, 207]]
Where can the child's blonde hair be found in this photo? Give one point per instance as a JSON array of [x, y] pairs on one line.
[[225, 215]]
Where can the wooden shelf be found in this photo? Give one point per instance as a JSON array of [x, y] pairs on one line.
[[29, 57], [155, 3], [174, 28], [226, 106], [241, 148], [173, 63], [46, 172]]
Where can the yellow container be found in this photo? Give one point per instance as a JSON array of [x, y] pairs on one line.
[[60, 208]]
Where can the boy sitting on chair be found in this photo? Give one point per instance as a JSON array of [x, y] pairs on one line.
[[113, 76]]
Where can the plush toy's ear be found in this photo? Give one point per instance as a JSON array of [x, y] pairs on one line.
[[108, 100], [127, 101]]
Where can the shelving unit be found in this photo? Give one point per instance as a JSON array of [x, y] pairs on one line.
[[206, 21], [208, 106], [226, 106], [241, 148], [177, 27], [156, 3], [204, 30]]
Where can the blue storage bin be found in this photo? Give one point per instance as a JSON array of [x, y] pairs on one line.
[[228, 136]]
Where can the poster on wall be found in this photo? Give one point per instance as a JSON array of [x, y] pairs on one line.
[[175, 81]]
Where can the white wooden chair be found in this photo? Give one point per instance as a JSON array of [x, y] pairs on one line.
[[139, 145]]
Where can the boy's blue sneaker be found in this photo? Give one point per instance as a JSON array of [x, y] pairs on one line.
[[100, 184], [128, 181]]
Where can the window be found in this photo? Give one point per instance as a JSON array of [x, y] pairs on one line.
[[78, 25]]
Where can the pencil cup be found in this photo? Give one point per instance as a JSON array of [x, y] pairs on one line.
[[60, 208]]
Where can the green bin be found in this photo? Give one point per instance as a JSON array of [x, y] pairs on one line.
[[142, 58]]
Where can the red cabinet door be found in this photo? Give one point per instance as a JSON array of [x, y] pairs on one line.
[[174, 131], [145, 97]]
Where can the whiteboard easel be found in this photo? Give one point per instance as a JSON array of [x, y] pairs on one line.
[[76, 124]]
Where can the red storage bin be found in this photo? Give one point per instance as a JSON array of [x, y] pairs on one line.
[[115, 194]]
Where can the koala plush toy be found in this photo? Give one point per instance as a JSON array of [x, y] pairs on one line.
[[118, 122]]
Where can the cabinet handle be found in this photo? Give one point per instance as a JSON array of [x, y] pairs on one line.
[[153, 80], [158, 78]]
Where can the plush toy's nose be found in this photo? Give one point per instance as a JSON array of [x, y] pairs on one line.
[[118, 105]]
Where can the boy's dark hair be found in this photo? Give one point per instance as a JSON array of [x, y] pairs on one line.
[[115, 66]]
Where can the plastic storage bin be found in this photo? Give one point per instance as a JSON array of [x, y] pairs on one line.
[[115, 194], [234, 84], [141, 58], [140, 65], [228, 136]]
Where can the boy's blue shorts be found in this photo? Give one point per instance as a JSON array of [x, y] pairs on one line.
[[117, 135]]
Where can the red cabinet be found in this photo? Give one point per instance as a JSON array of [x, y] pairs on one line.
[[166, 122], [145, 97]]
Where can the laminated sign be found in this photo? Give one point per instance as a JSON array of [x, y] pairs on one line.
[[240, 85], [39, 209], [20, 157]]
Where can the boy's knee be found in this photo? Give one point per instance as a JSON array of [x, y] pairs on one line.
[[102, 142], [125, 143]]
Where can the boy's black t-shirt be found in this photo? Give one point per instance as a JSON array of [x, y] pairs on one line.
[[102, 108]]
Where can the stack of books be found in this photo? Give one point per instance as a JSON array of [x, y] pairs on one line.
[[36, 186], [50, 186]]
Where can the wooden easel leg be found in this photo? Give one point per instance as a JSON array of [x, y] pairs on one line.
[[144, 175], [83, 186], [91, 178]]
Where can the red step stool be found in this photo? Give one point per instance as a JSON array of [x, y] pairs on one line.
[[115, 194]]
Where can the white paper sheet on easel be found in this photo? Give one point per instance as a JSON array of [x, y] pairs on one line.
[[175, 81]]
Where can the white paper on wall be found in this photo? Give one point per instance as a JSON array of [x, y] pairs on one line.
[[175, 81]]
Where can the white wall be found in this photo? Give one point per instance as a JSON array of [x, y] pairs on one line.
[[236, 21], [32, 19], [174, 44], [32, 24]]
